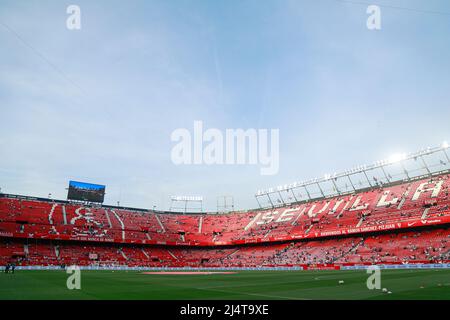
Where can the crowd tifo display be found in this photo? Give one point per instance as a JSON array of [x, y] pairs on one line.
[[405, 222]]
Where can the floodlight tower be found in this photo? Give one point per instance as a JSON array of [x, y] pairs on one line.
[[194, 203], [225, 204]]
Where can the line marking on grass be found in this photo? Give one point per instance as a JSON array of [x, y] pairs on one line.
[[253, 294], [188, 273]]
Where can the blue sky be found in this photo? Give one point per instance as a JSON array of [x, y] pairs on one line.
[[99, 104]]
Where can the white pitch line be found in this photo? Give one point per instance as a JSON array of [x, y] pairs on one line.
[[253, 294]]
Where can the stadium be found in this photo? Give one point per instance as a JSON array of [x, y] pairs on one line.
[[211, 159], [402, 224]]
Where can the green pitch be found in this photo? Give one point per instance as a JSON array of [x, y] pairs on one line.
[[404, 284]]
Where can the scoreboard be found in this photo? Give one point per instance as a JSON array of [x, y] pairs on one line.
[[83, 191]]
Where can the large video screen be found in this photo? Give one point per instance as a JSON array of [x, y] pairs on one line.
[[86, 192]]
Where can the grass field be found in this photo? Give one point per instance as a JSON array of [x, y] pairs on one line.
[[263, 285]]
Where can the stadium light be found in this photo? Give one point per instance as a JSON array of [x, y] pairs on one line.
[[397, 157], [186, 198], [444, 145]]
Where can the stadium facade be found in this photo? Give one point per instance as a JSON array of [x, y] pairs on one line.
[[396, 224]]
